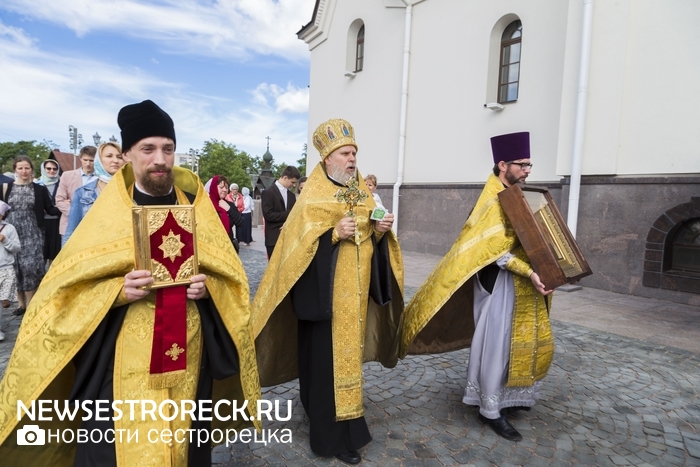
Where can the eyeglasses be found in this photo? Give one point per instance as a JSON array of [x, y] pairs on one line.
[[50, 169], [523, 165]]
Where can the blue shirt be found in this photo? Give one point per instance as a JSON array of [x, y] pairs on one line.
[[83, 199]]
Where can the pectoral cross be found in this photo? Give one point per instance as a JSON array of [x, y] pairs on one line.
[[351, 196]]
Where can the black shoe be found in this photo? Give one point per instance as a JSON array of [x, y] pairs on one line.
[[19, 311], [502, 427], [350, 457], [514, 410]]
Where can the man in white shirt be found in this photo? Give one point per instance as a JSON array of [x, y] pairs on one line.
[[71, 180], [276, 203]]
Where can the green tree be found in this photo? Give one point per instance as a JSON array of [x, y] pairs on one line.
[[301, 163], [37, 152], [278, 169], [221, 158]]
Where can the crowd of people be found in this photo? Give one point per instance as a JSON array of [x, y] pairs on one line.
[[330, 298]]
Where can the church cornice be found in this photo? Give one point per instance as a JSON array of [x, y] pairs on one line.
[[312, 25], [316, 31]]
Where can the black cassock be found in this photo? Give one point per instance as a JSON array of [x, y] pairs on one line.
[[312, 300]]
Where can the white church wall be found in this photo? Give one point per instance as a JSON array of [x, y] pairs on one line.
[[642, 110], [371, 99]]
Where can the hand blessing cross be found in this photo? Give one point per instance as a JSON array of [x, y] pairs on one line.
[[351, 196]]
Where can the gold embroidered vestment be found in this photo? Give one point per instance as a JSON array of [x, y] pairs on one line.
[[362, 330], [82, 285], [440, 315]]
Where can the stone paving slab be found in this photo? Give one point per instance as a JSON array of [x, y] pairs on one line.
[[608, 400], [661, 322]]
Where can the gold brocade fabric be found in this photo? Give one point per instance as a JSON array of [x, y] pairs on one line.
[[132, 355], [77, 292], [439, 318], [532, 342], [350, 299], [362, 330]]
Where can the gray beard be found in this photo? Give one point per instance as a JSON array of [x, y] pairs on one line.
[[340, 175]]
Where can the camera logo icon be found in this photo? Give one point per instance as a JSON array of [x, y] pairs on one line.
[[31, 435]]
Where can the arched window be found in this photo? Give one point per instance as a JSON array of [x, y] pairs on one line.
[[686, 247], [355, 48], [360, 49], [509, 75]]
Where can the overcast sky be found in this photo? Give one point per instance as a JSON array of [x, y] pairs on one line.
[[232, 70]]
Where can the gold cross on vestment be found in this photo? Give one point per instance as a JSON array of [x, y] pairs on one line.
[[174, 352], [351, 196]]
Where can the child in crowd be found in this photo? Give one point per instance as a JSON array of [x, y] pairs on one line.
[[371, 182], [9, 245]]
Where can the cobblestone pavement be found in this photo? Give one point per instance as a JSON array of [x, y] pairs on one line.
[[608, 401]]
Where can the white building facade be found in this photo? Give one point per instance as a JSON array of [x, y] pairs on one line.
[[426, 83]]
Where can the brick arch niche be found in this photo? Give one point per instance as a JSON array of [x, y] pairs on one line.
[[657, 255]]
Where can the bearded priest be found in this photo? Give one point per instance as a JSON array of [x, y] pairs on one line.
[[331, 297], [97, 335]]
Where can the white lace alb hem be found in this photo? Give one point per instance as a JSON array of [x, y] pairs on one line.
[[491, 405]]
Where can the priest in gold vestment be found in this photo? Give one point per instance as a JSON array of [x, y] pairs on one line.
[[507, 326], [90, 331], [331, 297]]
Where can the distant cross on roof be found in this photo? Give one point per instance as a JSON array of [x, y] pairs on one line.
[[268, 142]]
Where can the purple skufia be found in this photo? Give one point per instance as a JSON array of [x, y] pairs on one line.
[[511, 147]]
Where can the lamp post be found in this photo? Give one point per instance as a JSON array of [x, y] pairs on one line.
[[194, 160], [97, 138], [76, 140]]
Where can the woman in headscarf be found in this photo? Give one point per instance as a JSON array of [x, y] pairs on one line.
[[246, 235], [109, 159], [217, 188], [52, 239], [29, 201]]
